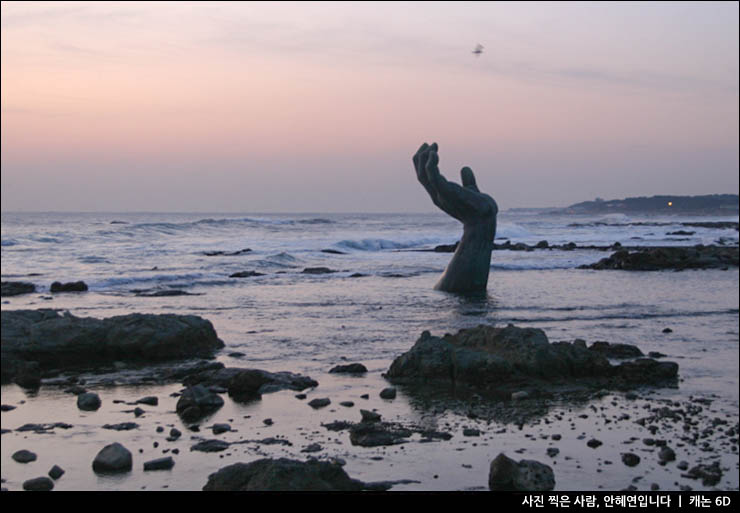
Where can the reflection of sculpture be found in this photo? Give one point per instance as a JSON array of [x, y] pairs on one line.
[[468, 270]]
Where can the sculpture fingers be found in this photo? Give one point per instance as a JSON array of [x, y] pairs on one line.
[[468, 179]]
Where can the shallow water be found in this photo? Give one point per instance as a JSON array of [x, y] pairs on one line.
[[287, 320]]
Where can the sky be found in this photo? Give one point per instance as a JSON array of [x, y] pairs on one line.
[[319, 107]]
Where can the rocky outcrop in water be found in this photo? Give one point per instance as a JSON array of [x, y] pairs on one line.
[[54, 339], [283, 475], [517, 359], [656, 259], [249, 384], [16, 288], [72, 286]]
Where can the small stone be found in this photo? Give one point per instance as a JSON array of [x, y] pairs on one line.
[[24, 456], [220, 428], [471, 432], [666, 454], [319, 403], [667, 330], [56, 472], [7, 407], [347, 404], [88, 401], [594, 443], [352, 368], [138, 412], [630, 459], [388, 393], [369, 416], [38, 484], [150, 400], [175, 433], [165, 463], [553, 451]]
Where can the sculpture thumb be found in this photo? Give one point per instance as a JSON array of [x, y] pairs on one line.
[[468, 178]]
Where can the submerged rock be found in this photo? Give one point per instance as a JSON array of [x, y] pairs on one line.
[[524, 476], [165, 463], [511, 358], [16, 288], [113, 458], [54, 339], [245, 385], [282, 475]]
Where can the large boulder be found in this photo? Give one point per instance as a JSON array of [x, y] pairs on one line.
[[55, 339], [522, 476], [283, 475], [487, 357]]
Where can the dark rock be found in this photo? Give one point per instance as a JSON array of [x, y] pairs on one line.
[[175, 433], [282, 475], [709, 474], [594, 443], [24, 456], [374, 434], [25, 374], [312, 448], [542, 244], [166, 293], [666, 454], [38, 484], [89, 401], [15, 288], [352, 368], [77, 286], [246, 274], [210, 446], [655, 259], [56, 340], [56, 472], [615, 350], [197, 402], [491, 359], [553, 451], [149, 400], [630, 459], [319, 402], [113, 458], [245, 385], [333, 252], [220, 428], [446, 248], [159, 464], [525, 476], [347, 404], [471, 432], [227, 253], [138, 412], [388, 393], [667, 330], [123, 426], [7, 407], [656, 354], [370, 416], [318, 270]]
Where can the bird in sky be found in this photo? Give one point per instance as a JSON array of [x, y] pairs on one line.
[[478, 50]]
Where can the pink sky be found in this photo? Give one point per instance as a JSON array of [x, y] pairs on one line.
[[319, 107]]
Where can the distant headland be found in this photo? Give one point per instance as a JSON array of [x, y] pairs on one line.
[[711, 204]]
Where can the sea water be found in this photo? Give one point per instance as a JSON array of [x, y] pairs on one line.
[[370, 310]]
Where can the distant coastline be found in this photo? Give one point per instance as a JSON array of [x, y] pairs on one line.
[[711, 204]]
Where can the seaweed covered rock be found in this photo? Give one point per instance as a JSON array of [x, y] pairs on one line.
[[55, 339], [489, 358], [283, 475]]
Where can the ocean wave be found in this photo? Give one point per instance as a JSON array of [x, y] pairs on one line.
[[278, 260], [8, 242], [169, 228], [512, 231], [381, 244]]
